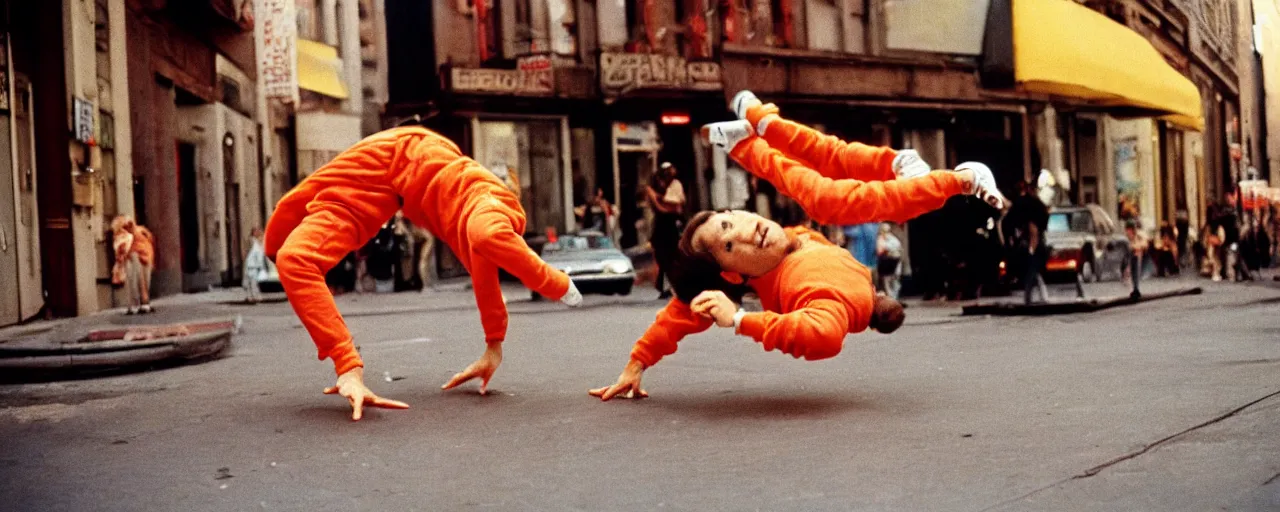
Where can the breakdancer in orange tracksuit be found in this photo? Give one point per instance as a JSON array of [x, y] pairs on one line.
[[343, 204], [813, 291]]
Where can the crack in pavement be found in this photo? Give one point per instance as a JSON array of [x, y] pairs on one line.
[[1146, 448], [1272, 479]]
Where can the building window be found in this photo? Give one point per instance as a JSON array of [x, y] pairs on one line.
[[489, 37], [734, 16], [562, 27], [695, 32], [825, 32], [938, 26], [642, 27], [783, 31]]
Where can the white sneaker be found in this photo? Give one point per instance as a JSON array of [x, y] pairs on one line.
[[743, 101], [984, 184], [908, 164], [726, 135], [573, 297]]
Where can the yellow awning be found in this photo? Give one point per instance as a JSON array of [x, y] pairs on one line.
[[1064, 49], [320, 69]]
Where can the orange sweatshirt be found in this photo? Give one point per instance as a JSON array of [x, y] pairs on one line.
[[812, 299], [846, 201], [427, 176]]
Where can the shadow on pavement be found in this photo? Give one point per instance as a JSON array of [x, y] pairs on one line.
[[730, 406]]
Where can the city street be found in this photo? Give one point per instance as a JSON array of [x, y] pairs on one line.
[[1169, 405]]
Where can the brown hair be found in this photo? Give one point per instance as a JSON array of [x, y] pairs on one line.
[[686, 238], [887, 315], [694, 271]]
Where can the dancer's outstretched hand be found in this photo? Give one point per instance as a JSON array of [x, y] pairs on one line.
[[483, 369], [351, 386], [629, 382]]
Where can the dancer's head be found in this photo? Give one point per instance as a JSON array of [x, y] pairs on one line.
[[887, 315], [741, 243]]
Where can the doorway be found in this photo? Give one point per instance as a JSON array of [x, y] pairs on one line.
[[634, 170], [188, 208], [231, 221], [27, 236]]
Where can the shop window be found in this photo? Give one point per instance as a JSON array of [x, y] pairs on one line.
[[530, 151], [694, 34]]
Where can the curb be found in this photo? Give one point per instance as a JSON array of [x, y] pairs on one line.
[[1066, 308], [109, 357]]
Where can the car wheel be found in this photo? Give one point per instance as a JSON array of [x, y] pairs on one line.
[[624, 289]]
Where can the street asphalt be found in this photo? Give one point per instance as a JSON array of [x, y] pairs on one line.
[[1163, 406]]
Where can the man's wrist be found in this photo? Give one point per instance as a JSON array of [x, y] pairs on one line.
[[737, 320]]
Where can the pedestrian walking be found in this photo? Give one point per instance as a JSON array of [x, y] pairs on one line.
[[665, 195], [889, 260], [255, 266]]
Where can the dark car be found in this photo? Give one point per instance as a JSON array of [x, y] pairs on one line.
[[1084, 240], [592, 261]]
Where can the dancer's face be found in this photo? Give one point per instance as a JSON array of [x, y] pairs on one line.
[[742, 242]]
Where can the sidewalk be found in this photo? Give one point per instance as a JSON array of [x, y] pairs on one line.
[[197, 327], [1062, 297]]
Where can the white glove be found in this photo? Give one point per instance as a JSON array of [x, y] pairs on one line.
[[908, 164], [572, 298]]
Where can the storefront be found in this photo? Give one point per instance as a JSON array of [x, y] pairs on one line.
[[535, 151], [636, 138]]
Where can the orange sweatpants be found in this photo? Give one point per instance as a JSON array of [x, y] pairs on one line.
[[827, 154], [341, 206], [845, 201]]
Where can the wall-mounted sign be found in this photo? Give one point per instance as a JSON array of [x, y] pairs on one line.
[[534, 77], [83, 122], [624, 72], [636, 136], [278, 33]]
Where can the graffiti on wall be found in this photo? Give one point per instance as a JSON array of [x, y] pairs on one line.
[[624, 72]]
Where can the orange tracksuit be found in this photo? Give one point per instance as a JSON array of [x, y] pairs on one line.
[[342, 205], [837, 182], [812, 299]]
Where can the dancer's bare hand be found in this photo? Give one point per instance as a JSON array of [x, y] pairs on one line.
[[714, 304], [629, 381], [483, 368], [351, 386]]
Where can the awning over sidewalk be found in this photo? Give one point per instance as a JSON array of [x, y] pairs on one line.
[[1065, 49], [319, 69]]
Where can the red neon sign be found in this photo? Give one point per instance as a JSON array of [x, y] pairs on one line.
[[675, 118]]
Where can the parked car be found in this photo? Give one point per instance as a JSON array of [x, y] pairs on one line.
[[592, 261], [1084, 240]]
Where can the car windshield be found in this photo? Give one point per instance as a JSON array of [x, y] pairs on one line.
[[579, 243], [1079, 221]]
